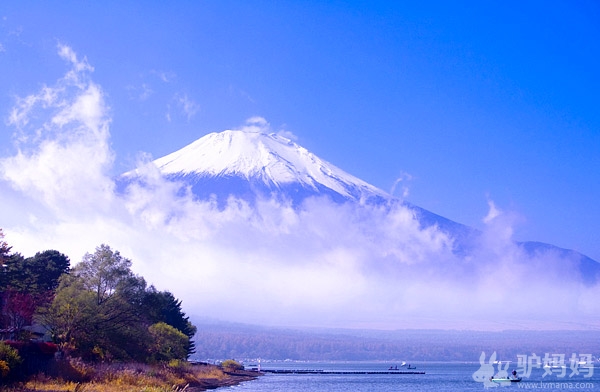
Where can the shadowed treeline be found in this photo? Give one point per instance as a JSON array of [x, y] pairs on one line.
[[243, 341]]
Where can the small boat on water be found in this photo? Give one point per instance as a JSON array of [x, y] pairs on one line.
[[401, 366], [502, 380]]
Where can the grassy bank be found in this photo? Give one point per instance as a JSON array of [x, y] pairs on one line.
[[79, 377]]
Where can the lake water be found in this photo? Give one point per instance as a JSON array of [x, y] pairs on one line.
[[439, 376]]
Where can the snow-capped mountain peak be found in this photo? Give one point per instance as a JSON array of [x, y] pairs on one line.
[[269, 159], [252, 165]]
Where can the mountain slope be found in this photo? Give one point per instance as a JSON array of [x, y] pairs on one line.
[[260, 164], [251, 165], [254, 214]]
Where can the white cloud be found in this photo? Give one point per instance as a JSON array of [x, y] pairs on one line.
[[146, 92], [20, 114], [493, 212], [320, 264], [164, 76], [63, 141], [256, 124], [168, 113], [141, 93], [287, 134], [79, 67], [402, 180], [188, 106]]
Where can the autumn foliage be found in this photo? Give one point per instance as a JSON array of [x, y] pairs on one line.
[[99, 311]]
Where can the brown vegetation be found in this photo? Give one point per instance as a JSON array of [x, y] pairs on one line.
[[133, 377]]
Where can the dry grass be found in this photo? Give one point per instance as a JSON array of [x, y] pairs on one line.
[[131, 378]]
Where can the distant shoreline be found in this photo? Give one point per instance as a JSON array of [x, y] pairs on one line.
[[219, 340]]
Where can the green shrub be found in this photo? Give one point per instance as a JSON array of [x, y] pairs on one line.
[[4, 369], [232, 365], [178, 364], [167, 343], [10, 361]]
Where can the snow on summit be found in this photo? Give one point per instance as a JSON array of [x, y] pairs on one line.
[[258, 156], [248, 211]]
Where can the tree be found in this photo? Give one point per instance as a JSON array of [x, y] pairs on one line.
[[4, 248], [17, 309], [102, 310], [28, 283], [12, 272], [10, 361], [5, 275], [45, 268], [103, 271], [37, 275], [72, 315], [167, 343], [162, 306], [96, 310]]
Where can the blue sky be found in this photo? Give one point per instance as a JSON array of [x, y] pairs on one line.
[[467, 102]]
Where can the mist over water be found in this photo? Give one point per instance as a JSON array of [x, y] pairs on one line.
[[319, 263]]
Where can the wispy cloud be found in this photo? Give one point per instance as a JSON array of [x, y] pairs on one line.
[[402, 181], [150, 81], [164, 76], [79, 67], [320, 264], [261, 125], [140, 93], [493, 212], [256, 124], [234, 91], [62, 135], [187, 105]]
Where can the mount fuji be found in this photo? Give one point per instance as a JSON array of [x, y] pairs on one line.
[[252, 165]]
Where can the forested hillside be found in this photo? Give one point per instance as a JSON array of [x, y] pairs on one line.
[[222, 340]]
